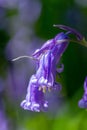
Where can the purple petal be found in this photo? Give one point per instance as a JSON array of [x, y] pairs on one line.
[[34, 99], [60, 70], [57, 86], [46, 46], [61, 36], [78, 35], [85, 85], [82, 103], [45, 70]]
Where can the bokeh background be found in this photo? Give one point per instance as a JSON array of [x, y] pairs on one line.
[[24, 26]]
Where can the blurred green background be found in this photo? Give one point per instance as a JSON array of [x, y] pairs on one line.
[[24, 26]]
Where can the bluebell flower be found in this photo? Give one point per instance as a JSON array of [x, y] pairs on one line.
[[45, 77], [83, 102], [48, 58]]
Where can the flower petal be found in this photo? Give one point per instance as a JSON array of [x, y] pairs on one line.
[[46, 46], [83, 102], [35, 100], [78, 35]]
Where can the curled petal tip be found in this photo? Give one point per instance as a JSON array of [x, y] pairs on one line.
[[73, 31], [54, 25]]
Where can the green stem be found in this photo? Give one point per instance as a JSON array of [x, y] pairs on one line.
[[83, 42]]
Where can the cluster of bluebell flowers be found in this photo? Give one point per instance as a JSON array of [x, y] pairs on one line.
[[47, 59]]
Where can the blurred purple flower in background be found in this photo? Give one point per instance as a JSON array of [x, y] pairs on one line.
[[83, 102], [22, 35], [3, 121], [3, 118], [29, 10]]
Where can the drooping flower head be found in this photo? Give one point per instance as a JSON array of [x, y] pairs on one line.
[[48, 57], [83, 102], [45, 77]]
